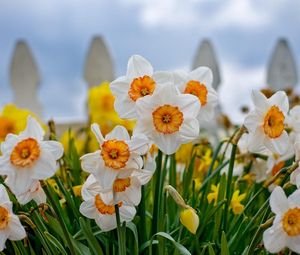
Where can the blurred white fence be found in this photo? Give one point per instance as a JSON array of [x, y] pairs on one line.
[[25, 78]]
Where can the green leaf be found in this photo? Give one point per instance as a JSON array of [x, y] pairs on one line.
[[224, 245], [133, 228], [55, 242], [211, 250]]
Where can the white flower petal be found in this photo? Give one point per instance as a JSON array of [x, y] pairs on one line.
[[96, 131], [16, 230], [4, 198], [278, 145], [55, 148], [281, 100], [33, 129], [131, 195], [180, 79], [252, 121], [189, 130], [127, 213], [20, 181], [202, 74], [189, 105], [120, 87], [294, 199], [167, 143], [260, 101], [10, 142], [106, 222], [162, 77], [274, 239], [44, 167], [91, 162], [90, 188], [278, 201], [3, 237], [139, 143], [118, 133], [138, 67], [106, 177], [126, 108], [88, 209], [293, 243]]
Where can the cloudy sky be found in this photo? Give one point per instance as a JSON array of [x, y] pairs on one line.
[[166, 32]]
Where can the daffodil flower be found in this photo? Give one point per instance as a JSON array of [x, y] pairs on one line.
[[235, 203], [138, 82], [285, 231], [266, 123], [27, 158], [168, 118], [118, 156], [199, 83], [213, 196], [101, 208], [10, 225], [35, 192]]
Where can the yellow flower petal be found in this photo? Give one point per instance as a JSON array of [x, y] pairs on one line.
[[189, 219]]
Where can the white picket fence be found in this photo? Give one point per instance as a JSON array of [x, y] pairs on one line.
[[25, 78]]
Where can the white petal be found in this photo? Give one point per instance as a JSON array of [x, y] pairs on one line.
[[293, 243], [55, 148], [127, 213], [88, 209], [162, 77], [294, 199], [168, 143], [206, 113], [10, 142], [91, 162], [252, 121], [260, 101], [96, 131], [180, 79], [106, 222], [202, 74], [4, 198], [131, 195], [3, 237], [106, 177], [189, 105], [118, 133], [281, 100], [90, 188], [45, 166], [274, 239], [16, 230], [294, 175], [189, 130], [125, 172], [138, 67], [6, 168], [33, 129], [139, 143], [278, 201], [255, 141], [120, 87], [125, 107], [278, 145], [20, 181]]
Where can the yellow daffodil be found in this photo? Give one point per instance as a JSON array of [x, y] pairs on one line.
[[213, 196], [189, 219], [183, 154], [102, 111], [77, 190], [235, 203], [13, 120]]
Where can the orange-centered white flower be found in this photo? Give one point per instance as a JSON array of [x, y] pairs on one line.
[[285, 231], [168, 118], [118, 156], [10, 225], [138, 82], [101, 206], [199, 83], [266, 123], [26, 158]]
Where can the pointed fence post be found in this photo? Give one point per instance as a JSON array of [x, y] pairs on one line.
[[282, 69], [99, 64], [25, 79], [205, 56]]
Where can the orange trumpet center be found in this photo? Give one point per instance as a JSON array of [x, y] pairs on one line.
[[115, 153], [167, 119], [197, 89], [25, 153], [291, 222], [273, 122], [104, 208], [121, 185], [140, 87], [4, 217]]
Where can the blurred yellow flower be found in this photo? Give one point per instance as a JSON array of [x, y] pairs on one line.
[[101, 109], [213, 196], [235, 203], [184, 153], [65, 138], [198, 183], [77, 190], [54, 186], [189, 219], [13, 120]]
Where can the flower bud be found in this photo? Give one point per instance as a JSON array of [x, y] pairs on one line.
[[189, 219]]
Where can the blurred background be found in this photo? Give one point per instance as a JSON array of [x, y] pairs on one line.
[[243, 33]]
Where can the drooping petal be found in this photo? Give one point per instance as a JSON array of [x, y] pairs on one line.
[[278, 201], [138, 67], [274, 239], [16, 230]]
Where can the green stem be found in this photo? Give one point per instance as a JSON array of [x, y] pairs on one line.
[[121, 243], [142, 213]]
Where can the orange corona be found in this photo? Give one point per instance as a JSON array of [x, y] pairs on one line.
[[167, 119], [25, 153], [115, 153], [273, 122], [197, 89], [104, 208], [4, 217], [291, 222], [140, 87], [121, 185]]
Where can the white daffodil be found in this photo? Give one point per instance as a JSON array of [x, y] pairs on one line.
[[118, 156], [27, 158], [293, 122], [98, 207], [199, 83], [35, 192], [10, 225], [266, 123], [168, 118], [138, 82], [285, 231], [259, 168]]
